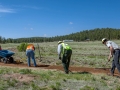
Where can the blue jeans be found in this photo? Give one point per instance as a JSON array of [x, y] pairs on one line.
[[30, 54], [115, 62]]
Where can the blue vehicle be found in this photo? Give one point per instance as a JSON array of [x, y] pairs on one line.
[[6, 56]]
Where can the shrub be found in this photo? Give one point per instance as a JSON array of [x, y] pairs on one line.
[[22, 47]]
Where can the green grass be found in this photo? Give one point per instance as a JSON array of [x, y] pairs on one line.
[[83, 53], [90, 54], [57, 80], [25, 71]]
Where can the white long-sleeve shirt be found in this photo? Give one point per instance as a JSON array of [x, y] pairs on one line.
[[111, 43], [60, 49]]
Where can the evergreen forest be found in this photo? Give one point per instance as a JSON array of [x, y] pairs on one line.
[[92, 35]]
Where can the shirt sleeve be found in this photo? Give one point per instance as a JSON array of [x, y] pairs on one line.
[[113, 44], [59, 50], [108, 45]]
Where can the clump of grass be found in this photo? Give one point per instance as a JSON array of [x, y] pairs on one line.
[[87, 88], [11, 82], [46, 76], [2, 88], [2, 71], [5, 70], [34, 86], [3, 84], [25, 71], [56, 86], [118, 88], [81, 76], [6, 83]]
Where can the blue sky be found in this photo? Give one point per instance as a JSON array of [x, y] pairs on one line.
[[47, 18]]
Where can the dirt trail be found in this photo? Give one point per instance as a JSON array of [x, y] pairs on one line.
[[56, 67]]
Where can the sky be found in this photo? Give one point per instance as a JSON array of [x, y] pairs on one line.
[[49, 18]]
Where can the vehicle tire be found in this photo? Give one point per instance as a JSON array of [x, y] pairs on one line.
[[11, 60], [1, 60], [5, 60]]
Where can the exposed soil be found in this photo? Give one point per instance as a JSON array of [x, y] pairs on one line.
[[73, 69]]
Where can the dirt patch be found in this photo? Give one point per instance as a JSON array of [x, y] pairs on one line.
[[19, 77], [60, 68]]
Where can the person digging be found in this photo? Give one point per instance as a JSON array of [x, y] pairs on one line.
[[65, 51], [115, 53], [30, 55]]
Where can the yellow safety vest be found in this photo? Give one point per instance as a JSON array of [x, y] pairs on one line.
[[65, 47]]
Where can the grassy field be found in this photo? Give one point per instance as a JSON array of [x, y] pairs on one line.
[[91, 54], [87, 54]]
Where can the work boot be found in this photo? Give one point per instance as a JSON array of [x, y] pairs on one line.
[[67, 72]]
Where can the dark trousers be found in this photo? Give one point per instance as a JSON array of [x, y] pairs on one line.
[[115, 62], [66, 60]]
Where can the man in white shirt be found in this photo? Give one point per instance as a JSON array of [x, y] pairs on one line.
[[114, 52], [64, 53]]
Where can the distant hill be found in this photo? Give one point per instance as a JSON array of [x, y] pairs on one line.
[[94, 34]]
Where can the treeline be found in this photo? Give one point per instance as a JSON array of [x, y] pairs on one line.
[[94, 34]]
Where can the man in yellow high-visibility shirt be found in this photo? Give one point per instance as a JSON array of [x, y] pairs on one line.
[[66, 52], [30, 54]]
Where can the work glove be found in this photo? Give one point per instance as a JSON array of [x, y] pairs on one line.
[[59, 58]]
